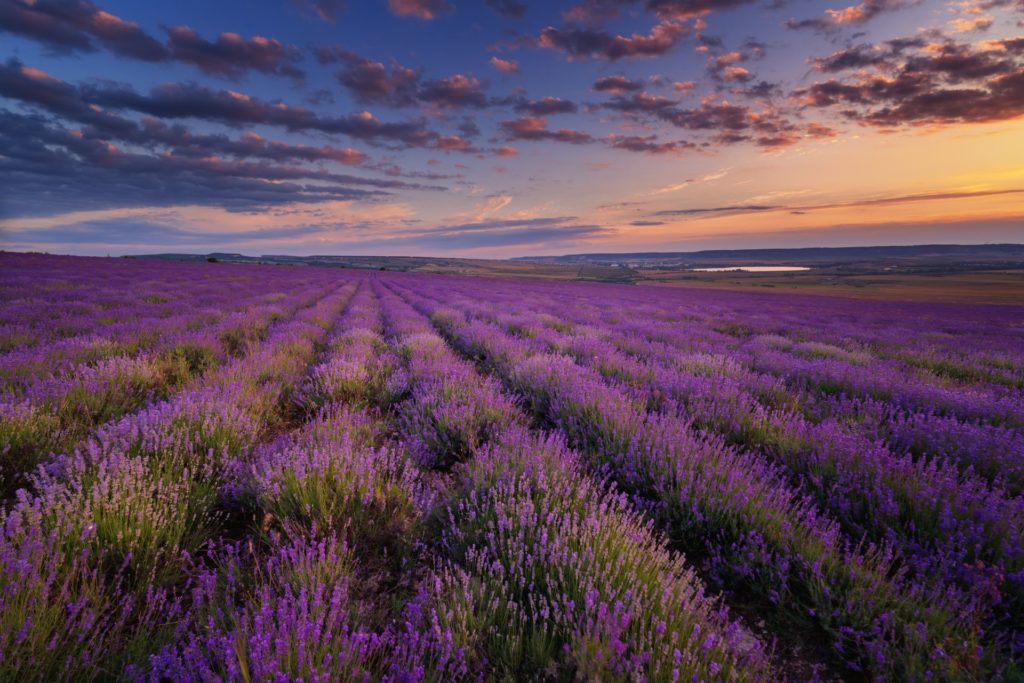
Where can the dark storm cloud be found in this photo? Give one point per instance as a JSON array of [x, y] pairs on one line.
[[943, 82]]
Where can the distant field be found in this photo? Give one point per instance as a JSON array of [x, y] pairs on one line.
[[965, 274], [995, 286], [216, 471]]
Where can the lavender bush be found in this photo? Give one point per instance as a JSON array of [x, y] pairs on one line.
[[224, 472]]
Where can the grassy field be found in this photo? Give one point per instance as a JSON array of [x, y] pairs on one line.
[[973, 275], [994, 287]]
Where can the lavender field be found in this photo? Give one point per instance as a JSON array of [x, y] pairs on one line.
[[255, 473]]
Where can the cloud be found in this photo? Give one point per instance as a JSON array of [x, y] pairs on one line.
[[916, 83], [639, 102], [685, 9], [726, 122], [857, 203], [500, 233], [142, 233], [190, 100], [71, 26], [617, 85], [505, 66], [371, 82], [231, 55], [421, 9], [453, 143], [177, 229], [725, 66], [742, 208], [113, 161], [508, 8], [155, 133], [879, 233], [546, 106], [458, 90], [21, 82], [855, 57], [591, 11], [861, 13], [535, 128], [648, 144], [579, 42], [327, 10], [49, 170], [818, 130], [78, 26]]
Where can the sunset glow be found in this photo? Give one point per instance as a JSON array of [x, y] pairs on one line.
[[508, 128]]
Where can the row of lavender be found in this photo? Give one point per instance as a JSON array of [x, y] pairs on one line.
[[385, 512], [338, 494], [938, 591], [130, 345], [100, 548], [933, 506]]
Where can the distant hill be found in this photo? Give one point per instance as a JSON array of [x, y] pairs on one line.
[[937, 254], [676, 267]]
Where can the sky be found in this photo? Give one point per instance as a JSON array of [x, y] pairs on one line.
[[500, 128]]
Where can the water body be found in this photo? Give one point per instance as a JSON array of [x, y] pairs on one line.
[[753, 269]]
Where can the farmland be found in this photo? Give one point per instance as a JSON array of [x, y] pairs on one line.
[[239, 472]]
